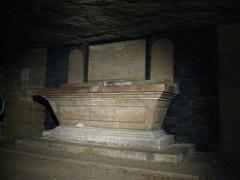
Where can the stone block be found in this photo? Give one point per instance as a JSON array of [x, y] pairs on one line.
[[136, 106], [117, 61]]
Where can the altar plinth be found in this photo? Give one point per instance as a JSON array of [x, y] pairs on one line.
[[129, 115]]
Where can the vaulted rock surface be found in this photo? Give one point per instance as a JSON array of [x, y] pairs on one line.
[[48, 23]]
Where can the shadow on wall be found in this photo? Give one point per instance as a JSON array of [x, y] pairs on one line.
[[193, 115], [2, 108], [49, 123], [190, 120]]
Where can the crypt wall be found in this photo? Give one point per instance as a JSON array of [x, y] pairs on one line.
[[25, 73], [192, 116], [229, 88]]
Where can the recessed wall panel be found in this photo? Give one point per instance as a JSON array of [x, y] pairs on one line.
[[117, 61]]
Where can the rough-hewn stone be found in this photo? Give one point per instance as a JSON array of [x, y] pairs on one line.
[[51, 23]]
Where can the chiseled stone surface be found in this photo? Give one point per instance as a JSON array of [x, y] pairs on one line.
[[118, 60], [136, 106]]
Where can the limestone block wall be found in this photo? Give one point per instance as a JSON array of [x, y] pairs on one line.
[[229, 89], [24, 77]]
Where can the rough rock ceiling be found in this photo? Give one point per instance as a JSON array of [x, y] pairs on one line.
[[45, 23]]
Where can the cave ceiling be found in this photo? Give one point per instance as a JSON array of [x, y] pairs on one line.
[[49, 23]]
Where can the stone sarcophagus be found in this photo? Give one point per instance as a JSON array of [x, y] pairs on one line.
[[123, 115], [133, 106]]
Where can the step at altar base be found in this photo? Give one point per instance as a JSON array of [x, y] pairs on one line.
[[174, 154], [121, 138]]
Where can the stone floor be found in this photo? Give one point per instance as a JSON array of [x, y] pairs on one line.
[[21, 162]]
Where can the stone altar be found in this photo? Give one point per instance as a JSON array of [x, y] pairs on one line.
[[116, 112], [124, 114]]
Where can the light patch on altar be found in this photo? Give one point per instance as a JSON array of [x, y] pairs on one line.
[[79, 125]]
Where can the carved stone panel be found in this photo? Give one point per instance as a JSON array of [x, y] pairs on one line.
[[117, 61]]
